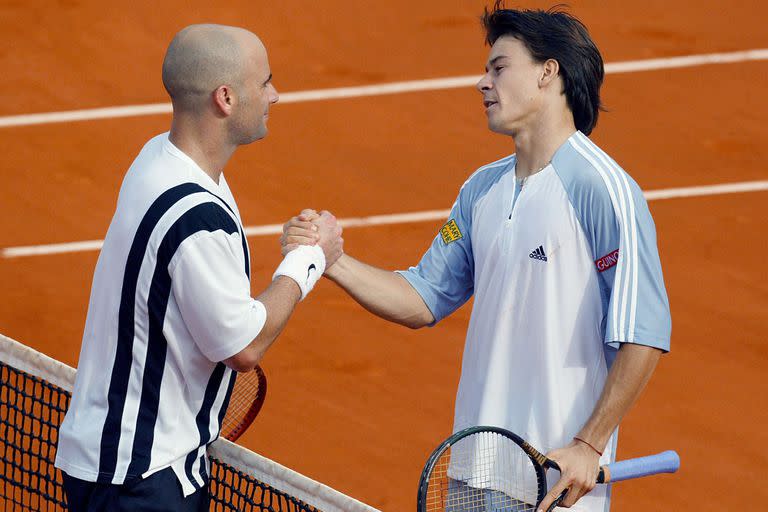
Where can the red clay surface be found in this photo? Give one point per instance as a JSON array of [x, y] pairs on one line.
[[355, 402]]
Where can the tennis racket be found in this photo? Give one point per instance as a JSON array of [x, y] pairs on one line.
[[483, 469], [244, 403]]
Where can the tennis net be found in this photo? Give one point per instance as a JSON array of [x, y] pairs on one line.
[[34, 395]]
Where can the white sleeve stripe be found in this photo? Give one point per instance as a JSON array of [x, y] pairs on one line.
[[631, 257], [635, 260], [626, 230], [634, 263], [616, 207], [631, 237], [627, 263]]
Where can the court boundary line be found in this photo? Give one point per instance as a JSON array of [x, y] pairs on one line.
[[434, 84], [395, 218]]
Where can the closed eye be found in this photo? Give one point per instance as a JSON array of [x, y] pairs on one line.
[[495, 64]]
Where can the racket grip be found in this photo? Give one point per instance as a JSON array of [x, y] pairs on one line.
[[664, 462]]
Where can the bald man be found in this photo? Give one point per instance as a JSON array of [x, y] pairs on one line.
[[171, 315]]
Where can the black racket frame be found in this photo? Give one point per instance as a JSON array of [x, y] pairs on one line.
[[540, 462]]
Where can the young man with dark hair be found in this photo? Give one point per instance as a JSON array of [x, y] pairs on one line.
[[557, 246]]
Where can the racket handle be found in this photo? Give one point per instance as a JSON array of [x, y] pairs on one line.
[[664, 462]]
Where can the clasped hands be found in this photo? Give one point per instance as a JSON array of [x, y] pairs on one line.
[[312, 228]]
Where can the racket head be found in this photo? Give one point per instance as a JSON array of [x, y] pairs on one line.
[[245, 402], [479, 466]]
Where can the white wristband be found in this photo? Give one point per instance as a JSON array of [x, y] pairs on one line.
[[305, 265]]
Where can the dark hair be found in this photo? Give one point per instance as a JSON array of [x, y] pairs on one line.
[[555, 34]]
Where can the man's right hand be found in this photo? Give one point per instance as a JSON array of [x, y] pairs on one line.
[[310, 228], [383, 293], [299, 230]]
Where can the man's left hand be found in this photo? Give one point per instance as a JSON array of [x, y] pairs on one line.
[[579, 465]]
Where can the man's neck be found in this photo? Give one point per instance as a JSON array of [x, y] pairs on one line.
[[536, 145], [204, 146]]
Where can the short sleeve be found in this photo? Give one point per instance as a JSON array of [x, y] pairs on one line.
[[638, 308], [445, 275], [213, 294], [621, 232]]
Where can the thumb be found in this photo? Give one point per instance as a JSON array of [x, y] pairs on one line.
[[553, 498], [308, 215]]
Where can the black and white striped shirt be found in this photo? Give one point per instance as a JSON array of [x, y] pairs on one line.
[[170, 300]]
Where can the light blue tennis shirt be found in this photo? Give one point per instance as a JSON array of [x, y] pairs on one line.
[[563, 267]]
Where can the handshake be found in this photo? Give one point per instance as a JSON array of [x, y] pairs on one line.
[[311, 243], [312, 228]]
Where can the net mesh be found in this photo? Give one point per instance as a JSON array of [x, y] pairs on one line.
[[30, 412], [34, 395]]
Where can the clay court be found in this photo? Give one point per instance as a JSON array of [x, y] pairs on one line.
[[355, 402]]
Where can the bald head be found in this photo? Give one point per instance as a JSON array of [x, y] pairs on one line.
[[201, 58]]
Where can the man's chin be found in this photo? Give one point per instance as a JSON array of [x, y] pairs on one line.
[[499, 128], [256, 136]]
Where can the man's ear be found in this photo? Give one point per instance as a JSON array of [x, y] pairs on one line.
[[223, 99], [549, 72]]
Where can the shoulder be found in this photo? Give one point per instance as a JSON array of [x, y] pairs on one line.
[[153, 149], [173, 213], [203, 223], [480, 181], [191, 208], [589, 174]]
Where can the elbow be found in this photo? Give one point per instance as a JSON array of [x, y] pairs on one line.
[[250, 357], [245, 360], [413, 324], [418, 321]]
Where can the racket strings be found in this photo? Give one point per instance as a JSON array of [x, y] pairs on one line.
[[244, 404], [483, 472]]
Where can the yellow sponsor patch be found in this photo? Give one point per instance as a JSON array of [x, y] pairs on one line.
[[450, 232]]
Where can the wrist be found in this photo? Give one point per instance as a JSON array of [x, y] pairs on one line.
[[591, 446], [293, 286], [304, 265], [334, 271], [587, 443]]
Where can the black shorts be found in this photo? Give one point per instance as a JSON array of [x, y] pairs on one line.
[[159, 492]]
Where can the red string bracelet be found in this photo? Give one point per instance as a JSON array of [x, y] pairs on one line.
[[586, 443]]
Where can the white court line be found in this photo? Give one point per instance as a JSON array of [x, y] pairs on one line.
[[397, 218], [376, 90]]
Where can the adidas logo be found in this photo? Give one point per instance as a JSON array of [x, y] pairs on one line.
[[538, 254]]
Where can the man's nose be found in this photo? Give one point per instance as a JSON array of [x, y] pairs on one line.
[[484, 84]]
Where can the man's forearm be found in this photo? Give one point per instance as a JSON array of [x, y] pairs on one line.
[[630, 372], [383, 293], [279, 300]]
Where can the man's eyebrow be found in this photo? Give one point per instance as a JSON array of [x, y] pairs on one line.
[[493, 61]]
